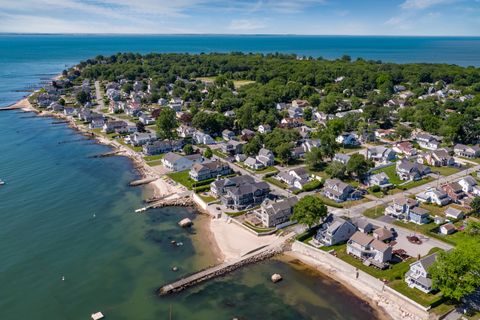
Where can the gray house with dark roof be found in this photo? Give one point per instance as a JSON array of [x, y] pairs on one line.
[[273, 213], [240, 192], [418, 276]]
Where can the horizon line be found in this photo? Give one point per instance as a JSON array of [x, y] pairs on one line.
[[235, 34]]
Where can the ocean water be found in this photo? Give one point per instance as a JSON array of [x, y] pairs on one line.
[[66, 214], [25, 60]]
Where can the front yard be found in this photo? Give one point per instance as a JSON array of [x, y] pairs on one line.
[[183, 178]]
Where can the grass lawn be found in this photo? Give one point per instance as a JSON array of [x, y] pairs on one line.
[[207, 199], [329, 202], [183, 178], [348, 149], [136, 149], [267, 170], [446, 171], [154, 158], [431, 230], [390, 171], [276, 182], [380, 194], [375, 212], [219, 154], [425, 299], [154, 163], [413, 184]]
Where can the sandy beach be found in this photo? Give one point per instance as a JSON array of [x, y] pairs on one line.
[[234, 241]]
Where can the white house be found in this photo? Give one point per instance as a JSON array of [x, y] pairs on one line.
[[264, 128], [447, 228], [347, 139], [418, 276], [202, 138], [253, 163], [141, 138], [469, 185], [369, 249], [266, 157], [437, 196], [334, 230], [176, 162]]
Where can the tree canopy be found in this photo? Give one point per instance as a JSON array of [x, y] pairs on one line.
[[309, 210]]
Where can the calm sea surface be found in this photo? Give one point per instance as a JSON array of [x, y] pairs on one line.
[[63, 213]]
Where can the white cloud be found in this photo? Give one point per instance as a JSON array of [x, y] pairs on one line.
[[422, 4], [246, 25]]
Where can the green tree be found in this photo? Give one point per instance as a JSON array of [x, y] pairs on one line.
[[208, 153], [307, 114], [309, 210], [403, 132], [284, 152], [253, 146], [140, 126], [456, 273], [188, 149], [82, 97], [61, 101], [166, 124], [473, 228], [475, 205], [328, 145], [336, 170], [314, 158], [358, 165]]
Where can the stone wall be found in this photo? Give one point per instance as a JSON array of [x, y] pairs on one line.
[[396, 304]]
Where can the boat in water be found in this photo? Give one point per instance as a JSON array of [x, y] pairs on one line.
[[2, 182]]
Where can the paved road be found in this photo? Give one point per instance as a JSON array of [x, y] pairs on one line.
[[99, 98]]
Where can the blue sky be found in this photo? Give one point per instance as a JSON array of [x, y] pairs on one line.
[[325, 17]]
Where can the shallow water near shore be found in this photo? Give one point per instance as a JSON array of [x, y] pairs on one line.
[[65, 214]]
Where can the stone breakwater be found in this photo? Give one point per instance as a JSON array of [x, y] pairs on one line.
[[220, 270]]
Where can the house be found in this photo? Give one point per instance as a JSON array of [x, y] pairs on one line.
[[240, 157], [454, 190], [114, 126], [274, 213], [162, 146], [69, 111], [202, 138], [282, 106], [141, 138], [247, 134], [253, 163], [469, 185], [400, 208], [462, 150], [405, 147], [407, 170], [264, 128], [454, 213], [175, 104], [379, 179], [381, 154], [184, 131], [418, 215], [347, 139], [447, 228], [291, 123], [209, 170], [232, 147], [369, 249], [309, 144], [334, 230], [433, 195], [177, 162], [146, 118], [340, 191], [439, 158], [362, 224], [295, 112], [295, 178], [240, 192], [96, 123], [228, 135], [300, 103], [383, 234], [298, 152], [384, 133], [266, 157], [418, 277], [322, 117], [342, 158], [229, 114], [428, 141]]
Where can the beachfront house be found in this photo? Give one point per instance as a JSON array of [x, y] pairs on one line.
[[177, 162], [115, 126], [209, 170], [162, 146], [334, 230], [369, 249], [240, 192], [141, 138], [418, 276], [275, 213]]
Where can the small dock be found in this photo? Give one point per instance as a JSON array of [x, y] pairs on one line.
[[10, 108], [142, 181], [254, 256]]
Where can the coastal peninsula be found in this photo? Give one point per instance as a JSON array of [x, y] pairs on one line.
[[364, 170]]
